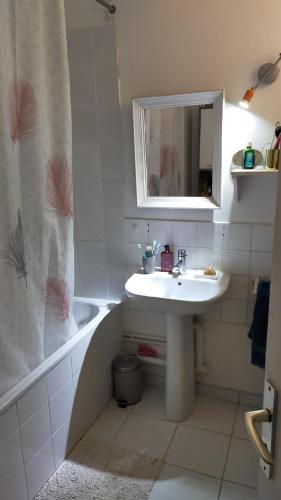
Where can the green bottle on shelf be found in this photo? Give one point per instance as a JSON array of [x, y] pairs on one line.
[[249, 157]]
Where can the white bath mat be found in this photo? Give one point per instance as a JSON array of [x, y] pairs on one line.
[[101, 471]]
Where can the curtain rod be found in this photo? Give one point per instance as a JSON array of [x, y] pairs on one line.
[[110, 8]]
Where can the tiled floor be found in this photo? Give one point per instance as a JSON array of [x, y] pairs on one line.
[[208, 457]]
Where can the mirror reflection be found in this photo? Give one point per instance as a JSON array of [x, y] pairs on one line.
[[179, 145]]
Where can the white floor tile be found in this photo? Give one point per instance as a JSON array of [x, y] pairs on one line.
[[232, 491], [146, 435], [242, 463], [107, 425], [179, 484], [152, 403], [212, 415], [199, 450], [239, 430]]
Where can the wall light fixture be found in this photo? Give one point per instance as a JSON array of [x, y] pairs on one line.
[[267, 74]]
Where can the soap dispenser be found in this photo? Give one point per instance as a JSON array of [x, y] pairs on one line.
[[166, 259]]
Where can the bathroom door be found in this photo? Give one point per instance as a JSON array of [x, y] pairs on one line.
[[270, 489]]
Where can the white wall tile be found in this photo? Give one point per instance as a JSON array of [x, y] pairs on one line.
[[149, 323], [32, 400], [262, 237], [236, 262], [113, 217], [160, 231], [261, 264], [234, 311], [116, 285], [82, 87], [208, 257], [106, 77], [250, 399], [11, 464], [228, 358], [86, 160], [35, 433], [84, 127], [78, 355], [238, 288], [93, 283], [61, 406], [79, 41], [40, 469], [237, 237], [8, 424], [111, 159], [134, 254], [104, 42], [89, 225], [116, 260], [215, 312], [87, 194], [62, 442], [210, 235], [92, 255], [59, 375], [191, 256], [136, 231], [109, 120], [16, 490], [184, 233]]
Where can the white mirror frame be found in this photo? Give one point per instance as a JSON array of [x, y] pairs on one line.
[[191, 202]]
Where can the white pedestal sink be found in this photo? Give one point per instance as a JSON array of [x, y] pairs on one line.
[[179, 298]]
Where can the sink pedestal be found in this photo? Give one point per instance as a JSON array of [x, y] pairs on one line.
[[180, 387]]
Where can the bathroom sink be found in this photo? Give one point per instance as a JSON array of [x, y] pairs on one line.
[[190, 293], [179, 298]]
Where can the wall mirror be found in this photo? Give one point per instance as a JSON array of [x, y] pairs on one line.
[[178, 150]]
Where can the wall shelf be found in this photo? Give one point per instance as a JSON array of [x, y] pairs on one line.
[[239, 173]]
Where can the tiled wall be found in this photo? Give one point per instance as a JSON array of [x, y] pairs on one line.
[[97, 161], [44, 424], [106, 244], [244, 250]]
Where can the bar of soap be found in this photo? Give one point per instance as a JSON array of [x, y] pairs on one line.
[[210, 271]]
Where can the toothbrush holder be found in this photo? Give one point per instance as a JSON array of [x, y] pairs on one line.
[[148, 264], [272, 158]]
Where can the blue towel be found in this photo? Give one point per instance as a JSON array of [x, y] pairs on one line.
[[258, 330]]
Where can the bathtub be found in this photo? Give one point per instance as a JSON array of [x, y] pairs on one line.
[[48, 411]]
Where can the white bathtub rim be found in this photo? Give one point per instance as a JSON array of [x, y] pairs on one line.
[[33, 377]]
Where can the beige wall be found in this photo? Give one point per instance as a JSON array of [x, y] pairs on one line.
[[178, 46]]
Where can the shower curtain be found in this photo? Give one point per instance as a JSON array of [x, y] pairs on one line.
[[165, 151], [36, 202]]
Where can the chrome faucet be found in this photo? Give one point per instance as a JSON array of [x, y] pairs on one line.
[[180, 266]]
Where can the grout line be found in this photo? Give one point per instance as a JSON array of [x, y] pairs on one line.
[[230, 441], [241, 484], [170, 444], [121, 426]]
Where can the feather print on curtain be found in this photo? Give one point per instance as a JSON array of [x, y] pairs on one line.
[[59, 180], [14, 254], [36, 224], [58, 298], [23, 110]]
